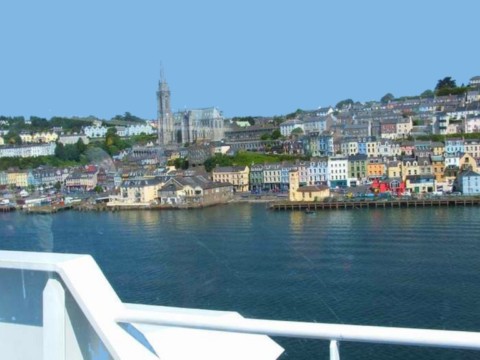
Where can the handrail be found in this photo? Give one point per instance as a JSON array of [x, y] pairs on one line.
[[338, 332]]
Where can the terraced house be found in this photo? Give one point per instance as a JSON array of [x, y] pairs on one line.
[[238, 176]]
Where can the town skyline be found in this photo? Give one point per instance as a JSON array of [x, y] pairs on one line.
[[246, 59]]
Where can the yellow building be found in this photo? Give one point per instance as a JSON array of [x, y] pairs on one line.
[[438, 148], [467, 162], [238, 176], [305, 193], [2, 142], [137, 192], [394, 169], [17, 178], [438, 165]]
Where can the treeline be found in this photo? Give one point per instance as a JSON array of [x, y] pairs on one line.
[[246, 158], [33, 162]]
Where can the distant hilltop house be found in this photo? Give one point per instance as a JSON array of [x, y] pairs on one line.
[[28, 150], [72, 139], [39, 137], [475, 81], [123, 131]]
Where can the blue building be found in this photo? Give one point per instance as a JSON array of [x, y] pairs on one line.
[[468, 183]]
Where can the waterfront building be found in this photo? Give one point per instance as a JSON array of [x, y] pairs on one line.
[[194, 191], [357, 165], [420, 183], [2, 142], [376, 168], [238, 176], [136, 192], [82, 180], [285, 177], [272, 177], [318, 171], [302, 168], [3, 178], [305, 193], [409, 167], [256, 178], [337, 171], [18, 178], [468, 183], [49, 176]]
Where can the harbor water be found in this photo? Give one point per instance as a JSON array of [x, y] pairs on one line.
[[387, 267]]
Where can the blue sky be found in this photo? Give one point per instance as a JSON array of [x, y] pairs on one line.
[[102, 58]]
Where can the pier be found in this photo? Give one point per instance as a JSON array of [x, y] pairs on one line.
[[47, 209], [373, 204]]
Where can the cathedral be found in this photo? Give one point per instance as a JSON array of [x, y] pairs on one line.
[[187, 126]]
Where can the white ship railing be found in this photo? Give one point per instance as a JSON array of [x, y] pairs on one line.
[[78, 277]]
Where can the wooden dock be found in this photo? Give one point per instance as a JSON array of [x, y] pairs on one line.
[[376, 204], [7, 208], [47, 209]]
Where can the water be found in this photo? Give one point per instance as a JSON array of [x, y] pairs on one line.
[[394, 267]]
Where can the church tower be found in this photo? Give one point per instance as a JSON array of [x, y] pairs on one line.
[[164, 114]]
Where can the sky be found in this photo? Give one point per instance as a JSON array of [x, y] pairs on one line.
[[248, 58]]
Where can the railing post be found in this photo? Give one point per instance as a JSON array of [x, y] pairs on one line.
[[334, 350], [53, 321]]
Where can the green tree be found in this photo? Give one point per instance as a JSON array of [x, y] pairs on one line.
[[276, 134], [181, 163], [427, 94], [12, 138], [387, 98], [446, 82], [344, 103], [81, 147], [58, 186]]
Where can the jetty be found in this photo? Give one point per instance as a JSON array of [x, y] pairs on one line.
[[374, 204], [47, 209]]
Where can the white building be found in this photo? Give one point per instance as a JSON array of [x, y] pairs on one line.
[[337, 171], [288, 126], [30, 150], [95, 131]]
